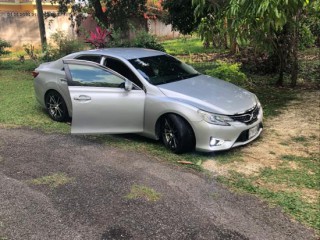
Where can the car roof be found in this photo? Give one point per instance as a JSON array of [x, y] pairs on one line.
[[126, 53]]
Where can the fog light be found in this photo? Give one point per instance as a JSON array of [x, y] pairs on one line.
[[215, 142]]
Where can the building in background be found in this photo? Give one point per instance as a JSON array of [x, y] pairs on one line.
[[19, 22]]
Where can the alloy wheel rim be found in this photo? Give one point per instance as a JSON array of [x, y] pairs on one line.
[[54, 106], [170, 135]]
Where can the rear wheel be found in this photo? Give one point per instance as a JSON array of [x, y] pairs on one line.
[[56, 106], [177, 134]]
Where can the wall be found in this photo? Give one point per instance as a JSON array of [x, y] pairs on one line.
[[159, 29], [20, 28]]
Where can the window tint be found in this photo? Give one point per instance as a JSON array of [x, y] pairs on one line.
[[93, 58], [123, 69], [163, 69], [93, 76]]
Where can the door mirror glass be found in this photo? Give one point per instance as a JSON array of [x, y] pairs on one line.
[[128, 85]]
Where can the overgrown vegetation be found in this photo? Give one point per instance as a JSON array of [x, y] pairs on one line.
[[3, 45], [142, 39]]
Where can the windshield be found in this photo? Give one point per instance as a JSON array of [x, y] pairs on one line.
[[163, 69]]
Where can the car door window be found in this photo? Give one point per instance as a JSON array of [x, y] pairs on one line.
[[93, 77], [123, 69]]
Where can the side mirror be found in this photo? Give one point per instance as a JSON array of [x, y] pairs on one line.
[[128, 85]]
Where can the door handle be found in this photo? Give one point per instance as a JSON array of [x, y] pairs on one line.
[[82, 98], [63, 80]]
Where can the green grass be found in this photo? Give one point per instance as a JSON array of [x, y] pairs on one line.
[[182, 46], [19, 106], [143, 192], [53, 181], [291, 202]]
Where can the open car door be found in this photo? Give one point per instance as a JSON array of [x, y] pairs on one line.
[[103, 101]]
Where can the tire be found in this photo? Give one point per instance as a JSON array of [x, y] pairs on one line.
[[177, 134], [56, 106]]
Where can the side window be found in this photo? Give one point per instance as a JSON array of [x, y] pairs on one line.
[[93, 77], [123, 69], [93, 58]]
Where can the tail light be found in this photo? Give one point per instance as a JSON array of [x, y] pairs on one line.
[[35, 74]]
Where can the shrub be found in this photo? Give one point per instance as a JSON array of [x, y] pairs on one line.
[[142, 40], [146, 40], [99, 38], [307, 39], [3, 45], [229, 72], [65, 45]]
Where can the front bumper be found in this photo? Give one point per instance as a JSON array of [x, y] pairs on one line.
[[225, 137]]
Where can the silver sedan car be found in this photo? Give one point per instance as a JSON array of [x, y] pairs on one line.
[[143, 91]]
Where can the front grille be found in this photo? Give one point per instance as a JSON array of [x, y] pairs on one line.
[[248, 117]]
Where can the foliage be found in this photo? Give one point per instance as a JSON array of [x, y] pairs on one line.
[[120, 11], [312, 20], [211, 30], [14, 65], [141, 40], [99, 38], [3, 45], [307, 39], [30, 50], [146, 40], [63, 45], [229, 72], [269, 26], [180, 15]]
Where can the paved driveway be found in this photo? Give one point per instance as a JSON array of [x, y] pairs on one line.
[[92, 201]]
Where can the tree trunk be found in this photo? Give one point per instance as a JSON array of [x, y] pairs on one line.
[[294, 50], [225, 28], [234, 47], [99, 14], [42, 27]]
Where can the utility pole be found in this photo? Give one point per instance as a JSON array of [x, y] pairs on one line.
[[41, 25]]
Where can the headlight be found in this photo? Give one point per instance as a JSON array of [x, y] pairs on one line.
[[215, 119]]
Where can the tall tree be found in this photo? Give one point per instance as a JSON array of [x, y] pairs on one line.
[[267, 24], [41, 25], [119, 12], [271, 25], [106, 12], [180, 15]]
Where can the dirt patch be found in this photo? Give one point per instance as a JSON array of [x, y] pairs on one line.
[[295, 132]]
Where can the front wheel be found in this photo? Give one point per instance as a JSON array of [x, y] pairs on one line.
[[56, 106], [177, 134]]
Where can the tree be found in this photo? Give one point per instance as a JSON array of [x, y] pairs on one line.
[[273, 26], [180, 15], [119, 12], [106, 12], [268, 25], [41, 25]]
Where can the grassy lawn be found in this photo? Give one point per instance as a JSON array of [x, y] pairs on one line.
[[20, 109]]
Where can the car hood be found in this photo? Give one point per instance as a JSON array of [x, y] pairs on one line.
[[210, 94]]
